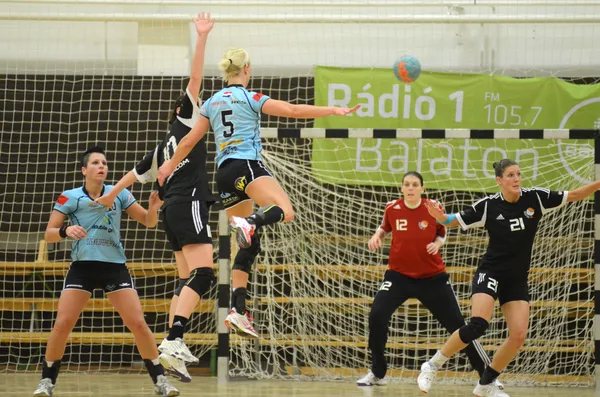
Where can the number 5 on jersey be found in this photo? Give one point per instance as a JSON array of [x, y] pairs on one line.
[[227, 123]]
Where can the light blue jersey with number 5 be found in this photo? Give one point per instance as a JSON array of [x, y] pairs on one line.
[[234, 115]]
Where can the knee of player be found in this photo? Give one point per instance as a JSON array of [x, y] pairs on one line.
[[517, 337], [473, 330], [138, 325], [64, 325], [201, 280]]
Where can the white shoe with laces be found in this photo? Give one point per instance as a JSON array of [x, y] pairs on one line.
[[371, 380], [241, 324], [44, 389], [175, 367], [177, 349], [243, 231], [164, 388], [490, 390], [426, 377]]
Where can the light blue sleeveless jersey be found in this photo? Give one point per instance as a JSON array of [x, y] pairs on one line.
[[234, 115], [103, 241]]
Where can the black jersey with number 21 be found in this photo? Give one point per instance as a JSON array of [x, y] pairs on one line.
[[189, 181], [511, 227]]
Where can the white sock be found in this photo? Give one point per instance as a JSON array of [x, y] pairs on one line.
[[49, 364], [156, 361], [439, 359]]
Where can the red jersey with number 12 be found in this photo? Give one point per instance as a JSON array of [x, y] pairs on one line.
[[412, 230]]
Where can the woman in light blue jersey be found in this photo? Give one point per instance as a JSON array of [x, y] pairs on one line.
[[242, 178], [98, 262]]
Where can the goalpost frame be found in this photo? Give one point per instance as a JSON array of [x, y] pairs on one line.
[[224, 235]]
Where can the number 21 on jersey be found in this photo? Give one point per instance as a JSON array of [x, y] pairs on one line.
[[517, 224]]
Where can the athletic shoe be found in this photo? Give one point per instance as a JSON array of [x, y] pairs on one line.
[[490, 390], [243, 231], [177, 349], [241, 324], [371, 380], [44, 389], [164, 388], [426, 377], [175, 367]]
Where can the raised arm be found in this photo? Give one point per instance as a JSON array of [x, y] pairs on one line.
[[204, 25], [582, 192], [274, 107]]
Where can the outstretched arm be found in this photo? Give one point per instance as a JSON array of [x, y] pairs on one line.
[[108, 199], [582, 192], [438, 213], [204, 25], [274, 107]]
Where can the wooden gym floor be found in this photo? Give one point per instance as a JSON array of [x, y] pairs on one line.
[[83, 385]]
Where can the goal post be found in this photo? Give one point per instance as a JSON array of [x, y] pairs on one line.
[[316, 279]]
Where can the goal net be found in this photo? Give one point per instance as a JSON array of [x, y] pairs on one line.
[[317, 280], [107, 72]]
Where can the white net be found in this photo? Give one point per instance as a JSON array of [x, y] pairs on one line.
[[79, 73], [312, 294]]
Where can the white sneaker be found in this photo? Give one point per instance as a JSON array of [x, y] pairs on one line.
[[44, 389], [241, 324], [426, 377], [177, 349], [490, 390], [500, 386], [371, 380], [164, 388], [175, 367], [243, 231]]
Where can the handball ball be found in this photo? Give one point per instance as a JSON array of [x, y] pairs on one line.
[[407, 69]]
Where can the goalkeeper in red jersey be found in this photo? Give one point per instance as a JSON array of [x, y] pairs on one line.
[[415, 270]]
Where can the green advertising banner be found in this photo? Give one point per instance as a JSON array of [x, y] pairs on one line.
[[442, 100], [445, 100]]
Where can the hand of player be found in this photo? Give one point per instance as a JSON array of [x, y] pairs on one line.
[[374, 243], [344, 111], [203, 23], [435, 210], [433, 248], [155, 202], [106, 201], [76, 232], [164, 172]]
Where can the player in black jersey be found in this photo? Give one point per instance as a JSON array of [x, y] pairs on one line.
[[511, 218], [187, 199]]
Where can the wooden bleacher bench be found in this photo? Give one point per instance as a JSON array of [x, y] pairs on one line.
[[291, 340], [579, 309], [459, 274]]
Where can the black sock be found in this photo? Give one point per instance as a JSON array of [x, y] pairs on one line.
[[489, 376], [178, 328], [51, 372], [154, 369], [266, 216], [238, 298]]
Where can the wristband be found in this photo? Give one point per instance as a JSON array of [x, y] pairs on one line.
[[451, 217], [62, 232]]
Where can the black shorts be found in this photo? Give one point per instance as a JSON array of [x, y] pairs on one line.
[[234, 176], [187, 223], [505, 289], [91, 275]]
